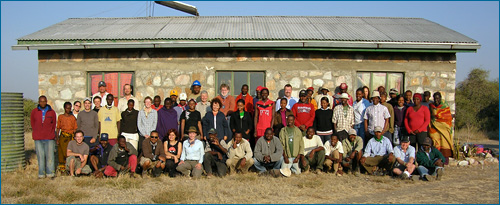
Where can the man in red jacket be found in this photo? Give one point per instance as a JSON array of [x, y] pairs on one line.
[[247, 98], [43, 123], [303, 112]]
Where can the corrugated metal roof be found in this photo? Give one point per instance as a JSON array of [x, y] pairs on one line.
[[268, 28]]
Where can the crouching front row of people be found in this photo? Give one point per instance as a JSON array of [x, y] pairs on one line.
[[277, 156]]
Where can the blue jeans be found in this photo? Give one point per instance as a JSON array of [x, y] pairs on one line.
[[424, 171], [294, 167], [262, 167], [45, 155], [360, 130]]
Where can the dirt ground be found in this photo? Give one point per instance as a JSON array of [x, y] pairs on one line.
[[473, 184]]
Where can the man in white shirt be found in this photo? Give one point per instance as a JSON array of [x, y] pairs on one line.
[[376, 115], [290, 100], [334, 154], [122, 103], [314, 152], [102, 93]]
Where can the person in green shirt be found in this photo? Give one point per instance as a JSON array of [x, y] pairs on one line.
[[293, 145]]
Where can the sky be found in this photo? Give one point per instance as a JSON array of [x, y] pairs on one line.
[[476, 19]]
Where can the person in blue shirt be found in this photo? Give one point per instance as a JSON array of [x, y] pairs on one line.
[[192, 155], [378, 157], [405, 159]]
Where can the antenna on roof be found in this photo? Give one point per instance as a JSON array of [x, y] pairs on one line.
[[180, 6]]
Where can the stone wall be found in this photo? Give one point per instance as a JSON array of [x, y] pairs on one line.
[[63, 74]]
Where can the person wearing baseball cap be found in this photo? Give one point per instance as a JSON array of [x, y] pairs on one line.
[[376, 115], [181, 106], [195, 91], [343, 117], [430, 161], [88, 122], [353, 151], [310, 99], [303, 112], [405, 159], [215, 156], [99, 155], [173, 95], [378, 157], [393, 93], [343, 89], [257, 95], [102, 94], [323, 92]]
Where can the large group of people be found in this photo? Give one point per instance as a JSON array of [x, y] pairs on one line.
[[403, 135]]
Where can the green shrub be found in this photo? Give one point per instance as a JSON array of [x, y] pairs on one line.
[[29, 105]]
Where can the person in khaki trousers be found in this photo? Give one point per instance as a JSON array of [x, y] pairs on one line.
[[334, 152], [239, 155]]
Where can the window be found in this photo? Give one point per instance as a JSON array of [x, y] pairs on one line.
[[114, 82], [375, 79], [236, 79]]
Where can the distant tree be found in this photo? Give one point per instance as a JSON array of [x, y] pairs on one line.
[[477, 102]]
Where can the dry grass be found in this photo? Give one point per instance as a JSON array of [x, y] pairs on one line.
[[460, 185]]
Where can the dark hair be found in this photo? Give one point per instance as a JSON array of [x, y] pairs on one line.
[[325, 99], [42, 96], [263, 90], [269, 129], [234, 134], [288, 85], [167, 99], [291, 116], [77, 102], [437, 93], [311, 128], [97, 97], [110, 95], [360, 90], [67, 103], [368, 91], [383, 93], [334, 135], [150, 98], [240, 101], [284, 98], [244, 85], [400, 96], [215, 100], [175, 133], [408, 91], [131, 101], [79, 131], [154, 131], [156, 96], [120, 137]]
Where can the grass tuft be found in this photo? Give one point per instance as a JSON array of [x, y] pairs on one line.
[[175, 196]]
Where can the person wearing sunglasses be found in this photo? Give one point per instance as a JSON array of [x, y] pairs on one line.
[[153, 156]]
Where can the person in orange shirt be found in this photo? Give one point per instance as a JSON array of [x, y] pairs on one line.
[[228, 103], [247, 98], [66, 127]]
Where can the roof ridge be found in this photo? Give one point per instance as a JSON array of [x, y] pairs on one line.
[[158, 17]]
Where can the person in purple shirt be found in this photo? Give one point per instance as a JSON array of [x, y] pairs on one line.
[[167, 119]]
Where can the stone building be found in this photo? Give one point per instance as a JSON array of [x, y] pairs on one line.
[[158, 54]]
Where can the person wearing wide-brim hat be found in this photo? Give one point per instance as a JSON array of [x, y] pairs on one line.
[[375, 115], [192, 155], [323, 92]]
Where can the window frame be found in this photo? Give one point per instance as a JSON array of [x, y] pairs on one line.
[[233, 89], [401, 89], [103, 73]]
